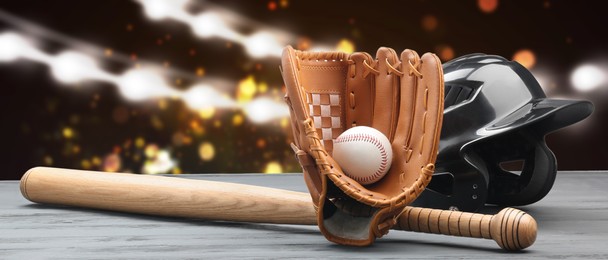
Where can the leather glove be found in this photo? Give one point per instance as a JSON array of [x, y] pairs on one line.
[[401, 96]]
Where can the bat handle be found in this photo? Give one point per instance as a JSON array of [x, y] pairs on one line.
[[512, 229]]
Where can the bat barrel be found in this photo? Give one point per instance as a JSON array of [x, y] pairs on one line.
[[166, 196]]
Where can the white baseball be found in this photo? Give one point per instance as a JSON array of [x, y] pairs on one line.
[[363, 153]]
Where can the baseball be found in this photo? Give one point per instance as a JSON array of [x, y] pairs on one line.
[[364, 154]]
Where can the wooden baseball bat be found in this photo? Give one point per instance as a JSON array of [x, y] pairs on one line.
[[512, 229]]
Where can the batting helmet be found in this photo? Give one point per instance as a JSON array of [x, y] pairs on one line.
[[495, 112]]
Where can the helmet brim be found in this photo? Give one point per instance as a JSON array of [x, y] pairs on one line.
[[545, 114]]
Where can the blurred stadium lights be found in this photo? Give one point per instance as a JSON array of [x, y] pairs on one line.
[[208, 24], [588, 77], [70, 67], [14, 47], [200, 97], [160, 9], [264, 109]]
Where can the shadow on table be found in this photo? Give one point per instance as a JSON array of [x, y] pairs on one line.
[[381, 245], [411, 243], [199, 222]]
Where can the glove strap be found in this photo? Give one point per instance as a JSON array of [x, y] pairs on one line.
[[302, 157], [385, 225]]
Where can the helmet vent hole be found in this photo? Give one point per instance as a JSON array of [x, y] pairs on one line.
[[456, 94], [514, 166]]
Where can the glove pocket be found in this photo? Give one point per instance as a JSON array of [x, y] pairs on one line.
[[346, 213]]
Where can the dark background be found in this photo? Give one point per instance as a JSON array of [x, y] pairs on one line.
[[90, 126]]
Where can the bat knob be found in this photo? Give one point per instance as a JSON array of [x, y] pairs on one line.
[[513, 229]]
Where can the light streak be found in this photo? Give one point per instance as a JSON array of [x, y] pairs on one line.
[[266, 42], [71, 67]]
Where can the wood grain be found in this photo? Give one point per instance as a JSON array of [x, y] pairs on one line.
[[166, 196], [512, 229]]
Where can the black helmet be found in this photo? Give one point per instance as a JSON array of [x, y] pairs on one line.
[[495, 112]]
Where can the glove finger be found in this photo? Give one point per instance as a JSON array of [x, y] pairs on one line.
[[426, 125], [386, 98], [407, 106], [359, 91], [294, 93]]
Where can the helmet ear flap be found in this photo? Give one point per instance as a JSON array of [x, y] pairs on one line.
[[536, 178], [480, 179], [463, 188]]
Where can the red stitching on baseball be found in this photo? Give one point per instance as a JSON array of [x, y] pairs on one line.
[[370, 139]]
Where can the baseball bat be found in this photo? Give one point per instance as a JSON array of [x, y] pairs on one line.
[[512, 229]]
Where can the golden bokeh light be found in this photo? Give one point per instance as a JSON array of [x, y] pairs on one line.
[[246, 89], [67, 132], [76, 149], [85, 164], [272, 5], [187, 140], [429, 23], [206, 151], [284, 3], [179, 139], [345, 45], [200, 71], [525, 57], [207, 113], [284, 122], [262, 87], [96, 161], [304, 43], [197, 128], [237, 120], [258, 66], [47, 160], [116, 149], [260, 143], [163, 104], [273, 168], [112, 163], [445, 52], [487, 6], [140, 142], [160, 163], [151, 150]]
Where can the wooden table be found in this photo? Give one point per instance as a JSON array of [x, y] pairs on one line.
[[572, 219]]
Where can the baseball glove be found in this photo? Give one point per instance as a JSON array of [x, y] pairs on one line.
[[329, 92]]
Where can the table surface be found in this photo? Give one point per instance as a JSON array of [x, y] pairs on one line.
[[572, 220]]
